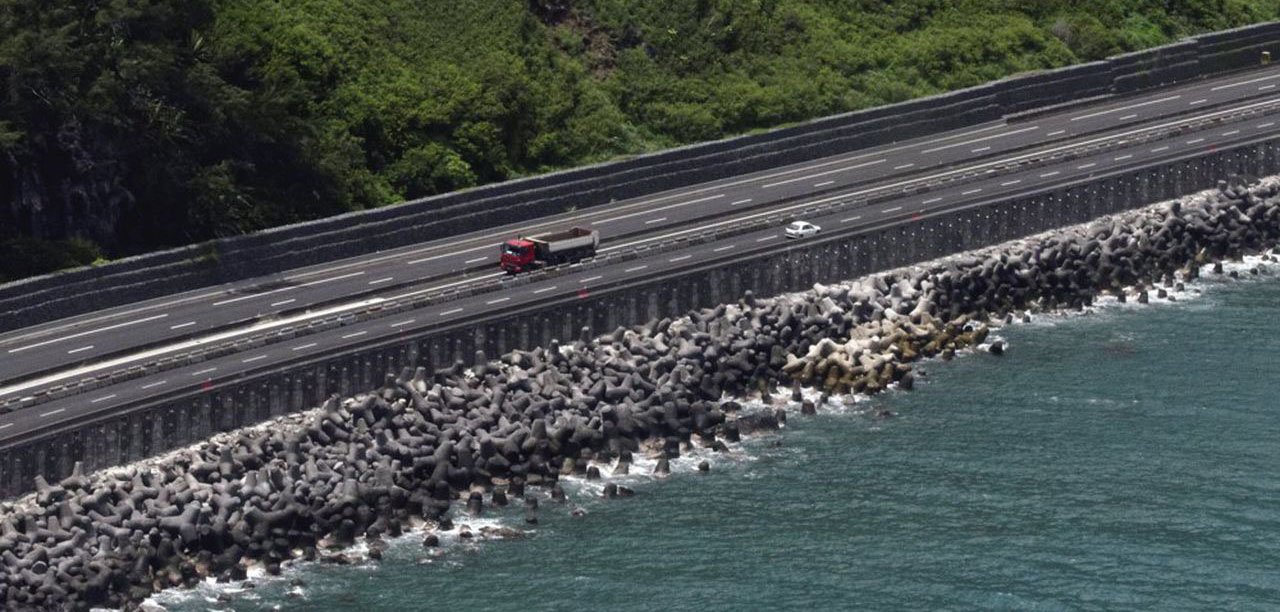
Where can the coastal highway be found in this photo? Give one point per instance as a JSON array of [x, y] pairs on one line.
[[568, 287], [59, 351]]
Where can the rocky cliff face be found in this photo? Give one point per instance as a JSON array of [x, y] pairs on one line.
[[68, 187]]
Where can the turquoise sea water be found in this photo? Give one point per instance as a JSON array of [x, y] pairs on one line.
[[1129, 459]]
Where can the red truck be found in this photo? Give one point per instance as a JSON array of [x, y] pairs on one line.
[[533, 252]]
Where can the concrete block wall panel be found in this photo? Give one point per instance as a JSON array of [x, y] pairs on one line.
[[1057, 86], [64, 294], [1241, 47], [1140, 70], [183, 419]]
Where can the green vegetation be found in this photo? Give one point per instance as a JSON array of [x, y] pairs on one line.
[[140, 124]]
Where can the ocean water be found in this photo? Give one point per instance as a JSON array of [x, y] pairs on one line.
[[1124, 460]]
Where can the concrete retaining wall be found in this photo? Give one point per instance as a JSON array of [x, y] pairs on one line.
[[64, 294], [174, 421]]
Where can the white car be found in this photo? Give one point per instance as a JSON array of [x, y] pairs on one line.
[[802, 229]]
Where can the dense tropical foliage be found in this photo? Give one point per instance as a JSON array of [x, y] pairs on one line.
[[129, 125]]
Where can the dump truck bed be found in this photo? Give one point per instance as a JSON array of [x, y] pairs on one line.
[[575, 238]]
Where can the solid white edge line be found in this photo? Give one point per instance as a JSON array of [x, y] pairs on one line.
[[824, 173], [87, 332], [983, 139], [1125, 108], [1249, 82]]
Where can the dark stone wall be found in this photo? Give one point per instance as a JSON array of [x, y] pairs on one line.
[[64, 294]]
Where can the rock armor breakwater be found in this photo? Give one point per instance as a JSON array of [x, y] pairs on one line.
[[426, 444]]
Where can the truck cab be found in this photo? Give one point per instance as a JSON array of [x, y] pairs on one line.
[[518, 255]]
